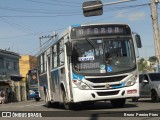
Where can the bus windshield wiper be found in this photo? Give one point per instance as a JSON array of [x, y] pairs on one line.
[[93, 45]]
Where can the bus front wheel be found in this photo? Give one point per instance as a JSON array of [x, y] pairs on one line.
[[47, 102], [67, 106], [118, 102]]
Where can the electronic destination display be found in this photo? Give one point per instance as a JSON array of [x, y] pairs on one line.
[[99, 30]]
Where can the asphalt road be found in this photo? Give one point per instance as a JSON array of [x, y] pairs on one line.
[[142, 110]]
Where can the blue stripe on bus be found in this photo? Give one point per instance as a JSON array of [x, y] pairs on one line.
[[76, 25], [118, 86], [77, 77], [56, 76]]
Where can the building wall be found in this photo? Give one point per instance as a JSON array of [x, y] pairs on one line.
[[26, 63], [9, 66]]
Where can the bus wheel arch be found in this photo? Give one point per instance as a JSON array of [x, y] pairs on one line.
[[62, 87], [66, 104]]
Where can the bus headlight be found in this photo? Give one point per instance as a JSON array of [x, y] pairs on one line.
[[131, 81], [81, 85]]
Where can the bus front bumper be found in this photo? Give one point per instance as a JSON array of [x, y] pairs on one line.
[[98, 95]]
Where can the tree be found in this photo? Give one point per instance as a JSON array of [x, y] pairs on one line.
[[142, 66], [153, 59]]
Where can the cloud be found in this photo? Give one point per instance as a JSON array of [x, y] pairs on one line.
[[137, 16], [131, 17]]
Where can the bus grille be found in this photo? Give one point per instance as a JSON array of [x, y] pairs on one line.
[[102, 87], [106, 80], [108, 93]]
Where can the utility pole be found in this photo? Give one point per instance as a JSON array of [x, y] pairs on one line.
[[155, 28], [46, 36], [40, 40]]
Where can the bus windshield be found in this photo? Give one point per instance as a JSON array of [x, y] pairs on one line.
[[32, 79], [103, 55]]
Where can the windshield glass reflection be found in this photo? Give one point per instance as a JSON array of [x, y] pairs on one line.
[[103, 55]]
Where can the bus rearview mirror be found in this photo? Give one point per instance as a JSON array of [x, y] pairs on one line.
[[138, 41]]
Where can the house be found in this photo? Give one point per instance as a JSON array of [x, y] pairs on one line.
[[9, 73]]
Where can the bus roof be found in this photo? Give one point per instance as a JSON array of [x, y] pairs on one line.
[[78, 25]]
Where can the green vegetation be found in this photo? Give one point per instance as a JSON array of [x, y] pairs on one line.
[[147, 65]]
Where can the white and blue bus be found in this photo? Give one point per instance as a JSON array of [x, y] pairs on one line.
[[88, 63]]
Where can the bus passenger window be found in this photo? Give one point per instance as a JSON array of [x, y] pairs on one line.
[[55, 56], [61, 54]]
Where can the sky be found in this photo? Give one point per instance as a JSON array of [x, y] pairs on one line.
[[22, 22]]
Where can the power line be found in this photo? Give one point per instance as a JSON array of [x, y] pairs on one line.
[[38, 16], [16, 26], [26, 35], [141, 5], [131, 6], [37, 49], [66, 2], [75, 12], [45, 11], [60, 11], [51, 3]]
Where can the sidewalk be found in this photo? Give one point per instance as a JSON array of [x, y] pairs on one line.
[[19, 103]]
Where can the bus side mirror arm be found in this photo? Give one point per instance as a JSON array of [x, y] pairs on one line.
[[69, 48]]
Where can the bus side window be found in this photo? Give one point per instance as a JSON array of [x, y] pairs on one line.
[[42, 63], [55, 56], [61, 52], [58, 54]]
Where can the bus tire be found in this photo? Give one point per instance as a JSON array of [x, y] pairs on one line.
[[118, 103], [67, 106], [55, 104], [47, 102]]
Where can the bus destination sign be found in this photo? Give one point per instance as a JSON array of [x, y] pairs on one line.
[[101, 30]]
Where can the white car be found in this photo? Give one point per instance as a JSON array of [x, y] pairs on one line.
[[149, 86]]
